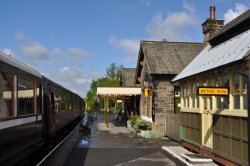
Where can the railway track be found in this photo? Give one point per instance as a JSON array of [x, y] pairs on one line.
[[43, 152]]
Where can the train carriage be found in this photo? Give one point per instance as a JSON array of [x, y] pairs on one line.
[[62, 106], [21, 119], [33, 109]]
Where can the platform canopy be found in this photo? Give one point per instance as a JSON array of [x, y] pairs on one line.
[[118, 91]]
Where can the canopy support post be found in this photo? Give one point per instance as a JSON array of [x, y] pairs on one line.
[[106, 110]]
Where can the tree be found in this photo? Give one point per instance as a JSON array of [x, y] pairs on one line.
[[113, 71], [110, 80]]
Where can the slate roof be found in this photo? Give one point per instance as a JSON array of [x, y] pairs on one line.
[[127, 77], [224, 52], [163, 57]]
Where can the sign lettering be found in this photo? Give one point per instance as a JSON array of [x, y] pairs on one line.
[[216, 91]]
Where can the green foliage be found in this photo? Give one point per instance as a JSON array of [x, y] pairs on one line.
[[113, 72], [133, 120], [138, 124], [92, 103], [150, 134], [106, 82], [110, 80], [142, 127]]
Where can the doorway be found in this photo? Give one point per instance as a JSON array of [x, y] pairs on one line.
[[207, 122]]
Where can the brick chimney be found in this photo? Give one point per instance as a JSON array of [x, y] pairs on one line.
[[211, 25], [212, 12]]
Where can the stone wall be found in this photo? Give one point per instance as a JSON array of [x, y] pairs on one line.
[[163, 104], [146, 106]]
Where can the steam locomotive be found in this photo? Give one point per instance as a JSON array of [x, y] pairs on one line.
[[33, 109]]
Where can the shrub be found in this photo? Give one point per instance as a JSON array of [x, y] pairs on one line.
[[134, 119], [150, 134], [139, 124]]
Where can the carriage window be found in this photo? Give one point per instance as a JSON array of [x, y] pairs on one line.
[[62, 95], [38, 98], [25, 97], [6, 90]]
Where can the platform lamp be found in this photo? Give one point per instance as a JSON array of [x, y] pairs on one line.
[[148, 89], [147, 82]]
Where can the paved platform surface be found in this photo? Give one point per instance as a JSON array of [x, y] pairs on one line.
[[115, 145]]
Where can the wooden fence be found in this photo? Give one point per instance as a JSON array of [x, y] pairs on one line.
[[172, 126]]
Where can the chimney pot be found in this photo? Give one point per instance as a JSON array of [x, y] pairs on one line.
[[212, 12]]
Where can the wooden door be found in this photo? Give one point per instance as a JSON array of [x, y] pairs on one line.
[[207, 122]]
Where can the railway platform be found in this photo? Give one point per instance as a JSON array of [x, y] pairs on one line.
[[115, 145]]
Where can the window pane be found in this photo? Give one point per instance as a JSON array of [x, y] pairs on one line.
[[38, 98], [218, 102], [198, 102], [222, 102], [236, 83], [193, 102], [236, 101], [222, 81], [63, 101], [57, 101], [193, 94], [205, 103], [6, 95], [244, 82], [210, 103], [184, 103], [225, 102], [25, 97], [245, 106]]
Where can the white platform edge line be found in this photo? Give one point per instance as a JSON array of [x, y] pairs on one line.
[[55, 148], [176, 156]]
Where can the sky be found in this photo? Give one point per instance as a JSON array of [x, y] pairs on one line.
[[72, 42]]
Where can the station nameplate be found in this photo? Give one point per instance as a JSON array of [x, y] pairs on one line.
[[216, 91]]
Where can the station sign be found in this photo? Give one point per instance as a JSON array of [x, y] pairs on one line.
[[212, 91], [148, 92]]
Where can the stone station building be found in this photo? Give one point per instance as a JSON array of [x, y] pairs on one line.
[[212, 124], [158, 63]]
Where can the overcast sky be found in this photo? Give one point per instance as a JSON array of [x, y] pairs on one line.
[[74, 41]]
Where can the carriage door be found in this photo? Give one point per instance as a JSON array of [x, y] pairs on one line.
[[207, 120], [52, 113]]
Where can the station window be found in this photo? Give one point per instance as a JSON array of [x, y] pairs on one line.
[[207, 99], [6, 91], [176, 100], [222, 81], [244, 81], [186, 96], [236, 90], [25, 97], [195, 97], [239, 91]]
